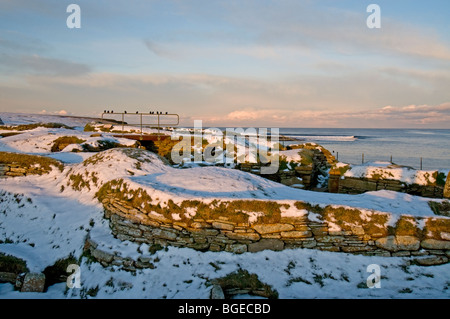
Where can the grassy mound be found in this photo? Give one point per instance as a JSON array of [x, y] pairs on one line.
[[28, 161], [62, 142], [12, 264], [241, 281], [26, 127], [440, 208], [58, 271]]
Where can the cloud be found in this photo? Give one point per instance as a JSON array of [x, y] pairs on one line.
[[224, 100], [245, 115], [408, 115], [308, 25], [431, 116], [418, 114], [14, 42], [61, 112], [238, 98], [48, 7], [161, 50], [37, 64], [294, 35]]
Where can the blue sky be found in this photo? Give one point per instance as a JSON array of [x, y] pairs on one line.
[[278, 63]]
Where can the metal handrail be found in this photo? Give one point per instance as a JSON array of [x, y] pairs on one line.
[[141, 124]]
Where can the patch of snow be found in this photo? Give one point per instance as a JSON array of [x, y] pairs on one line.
[[53, 224], [292, 211], [291, 155], [190, 212], [386, 170], [25, 118], [314, 217], [252, 216], [340, 164]]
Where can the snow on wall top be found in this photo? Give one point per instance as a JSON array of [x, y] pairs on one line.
[[386, 170]]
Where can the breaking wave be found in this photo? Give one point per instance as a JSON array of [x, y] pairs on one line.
[[344, 138]]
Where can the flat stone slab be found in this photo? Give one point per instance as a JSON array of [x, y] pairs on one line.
[[243, 236], [447, 187], [217, 292], [33, 282], [101, 255], [398, 243], [432, 260], [263, 244], [272, 228], [435, 244], [222, 225]]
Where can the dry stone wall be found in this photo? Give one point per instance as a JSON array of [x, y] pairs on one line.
[[447, 187], [355, 185], [17, 164], [286, 177], [305, 175], [11, 170], [224, 235]]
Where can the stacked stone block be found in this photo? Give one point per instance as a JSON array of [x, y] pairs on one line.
[[290, 233]]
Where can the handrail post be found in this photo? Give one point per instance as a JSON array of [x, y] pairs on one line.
[[141, 123], [123, 125], [158, 128]]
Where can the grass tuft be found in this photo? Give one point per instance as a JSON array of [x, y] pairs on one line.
[[242, 279], [440, 208], [58, 271], [27, 161], [62, 142], [26, 127], [12, 264]]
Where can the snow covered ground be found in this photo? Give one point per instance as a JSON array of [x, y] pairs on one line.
[[387, 170], [42, 224], [24, 118], [40, 140], [51, 225]]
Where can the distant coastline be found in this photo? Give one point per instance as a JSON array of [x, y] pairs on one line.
[[406, 145]]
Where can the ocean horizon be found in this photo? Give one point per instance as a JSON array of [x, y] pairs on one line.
[[418, 148], [427, 149], [407, 147]]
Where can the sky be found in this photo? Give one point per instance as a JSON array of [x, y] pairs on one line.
[[259, 63]]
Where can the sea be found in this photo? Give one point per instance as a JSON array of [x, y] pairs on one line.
[[427, 149]]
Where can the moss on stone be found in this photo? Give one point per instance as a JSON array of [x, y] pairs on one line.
[[440, 178], [407, 226], [440, 208], [78, 182], [58, 271], [28, 161], [234, 211], [62, 142], [317, 209], [339, 170], [26, 127], [89, 128], [12, 264], [243, 280], [347, 218], [435, 226], [307, 157]]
